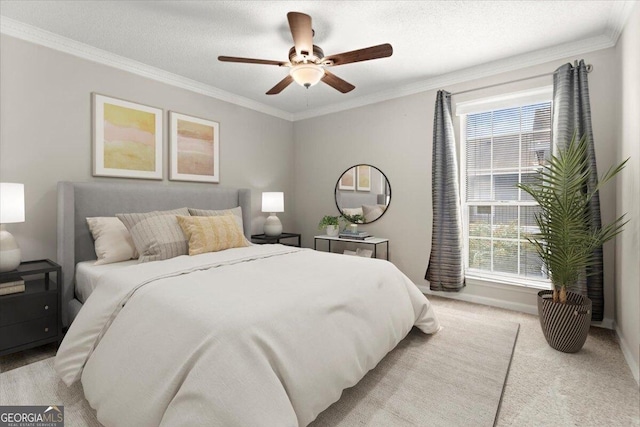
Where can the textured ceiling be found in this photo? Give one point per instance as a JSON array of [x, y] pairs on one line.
[[429, 38]]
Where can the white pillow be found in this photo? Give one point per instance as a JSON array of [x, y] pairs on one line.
[[352, 211], [113, 243]]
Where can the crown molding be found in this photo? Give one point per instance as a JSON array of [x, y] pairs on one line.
[[51, 40], [620, 12], [484, 70], [615, 24]]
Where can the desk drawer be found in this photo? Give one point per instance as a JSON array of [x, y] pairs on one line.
[[26, 332], [28, 307]]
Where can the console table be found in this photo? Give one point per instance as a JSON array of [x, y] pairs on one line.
[[372, 241]]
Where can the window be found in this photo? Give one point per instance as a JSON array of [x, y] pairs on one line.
[[502, 147]]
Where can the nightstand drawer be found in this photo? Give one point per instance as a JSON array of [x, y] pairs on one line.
[[28, 307], [26, 332]]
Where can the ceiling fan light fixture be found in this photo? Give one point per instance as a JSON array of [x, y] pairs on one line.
[[307, 60], [307, 75]]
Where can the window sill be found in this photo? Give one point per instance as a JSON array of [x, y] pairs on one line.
[[516, 282]]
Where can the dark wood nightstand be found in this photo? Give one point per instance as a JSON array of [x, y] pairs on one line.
[[262, 239], [33, 317]]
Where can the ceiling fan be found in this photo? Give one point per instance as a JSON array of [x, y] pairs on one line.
[[307, 61]]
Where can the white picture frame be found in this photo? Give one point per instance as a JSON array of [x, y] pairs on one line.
[[194, 149], [348, 180], [127, 138], [364, 178]]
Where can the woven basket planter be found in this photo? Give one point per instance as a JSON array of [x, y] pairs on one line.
[[565, 326]]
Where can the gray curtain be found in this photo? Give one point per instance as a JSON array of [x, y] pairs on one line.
[[445, 271], [572, 113]]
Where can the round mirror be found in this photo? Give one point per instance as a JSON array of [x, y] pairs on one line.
[[363, 194]]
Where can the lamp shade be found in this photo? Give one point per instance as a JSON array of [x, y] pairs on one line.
[[273, 202], [11, 202], [307, 74]]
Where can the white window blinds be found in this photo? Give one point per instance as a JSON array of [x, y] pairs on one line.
[[502, 148]]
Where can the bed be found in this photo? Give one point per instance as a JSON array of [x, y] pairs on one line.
[[256, 335], [79, 200]]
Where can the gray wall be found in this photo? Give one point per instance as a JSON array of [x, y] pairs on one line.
[[396, 137], [628, 191], [45, 134]]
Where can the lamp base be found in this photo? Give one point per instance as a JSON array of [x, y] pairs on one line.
[[9, 252], [272, 226]]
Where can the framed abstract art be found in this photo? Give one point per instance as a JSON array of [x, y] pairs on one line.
[[194, 146], [127, 139], [348, 180], [364, 178]]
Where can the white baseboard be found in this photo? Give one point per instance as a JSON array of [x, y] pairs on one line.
[[606, 323], [477, 299], [634, 365]]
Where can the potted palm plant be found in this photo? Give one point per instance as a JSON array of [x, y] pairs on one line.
[[566, 241]]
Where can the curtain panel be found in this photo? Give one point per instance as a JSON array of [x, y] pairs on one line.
[[572, 114], [445, 271]]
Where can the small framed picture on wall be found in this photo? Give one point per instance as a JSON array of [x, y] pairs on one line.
[[194, 146], [127, 139], [364, 178], [348, 180]]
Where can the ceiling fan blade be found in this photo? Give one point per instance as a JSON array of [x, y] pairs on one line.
[[366, 54], [337, 83], [281, 85], [250, 61], [301, 31]]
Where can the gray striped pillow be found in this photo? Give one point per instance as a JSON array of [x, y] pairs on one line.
[[157, 235]]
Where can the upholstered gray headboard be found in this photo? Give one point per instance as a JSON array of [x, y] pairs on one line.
[[79, 200], [355, 200]]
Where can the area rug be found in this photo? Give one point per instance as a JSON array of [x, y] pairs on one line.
[[453, 378]]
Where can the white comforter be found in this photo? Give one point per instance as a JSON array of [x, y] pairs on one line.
[[259, 336]]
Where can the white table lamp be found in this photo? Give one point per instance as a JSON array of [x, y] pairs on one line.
[[273, 202], [11, 211]]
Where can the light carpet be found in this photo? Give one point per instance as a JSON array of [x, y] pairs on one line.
[[453, 378]]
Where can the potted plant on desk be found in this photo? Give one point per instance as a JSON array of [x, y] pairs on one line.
[[330, 224], [566, 242]]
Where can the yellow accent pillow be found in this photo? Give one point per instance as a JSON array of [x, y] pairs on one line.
[[212, 233]]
